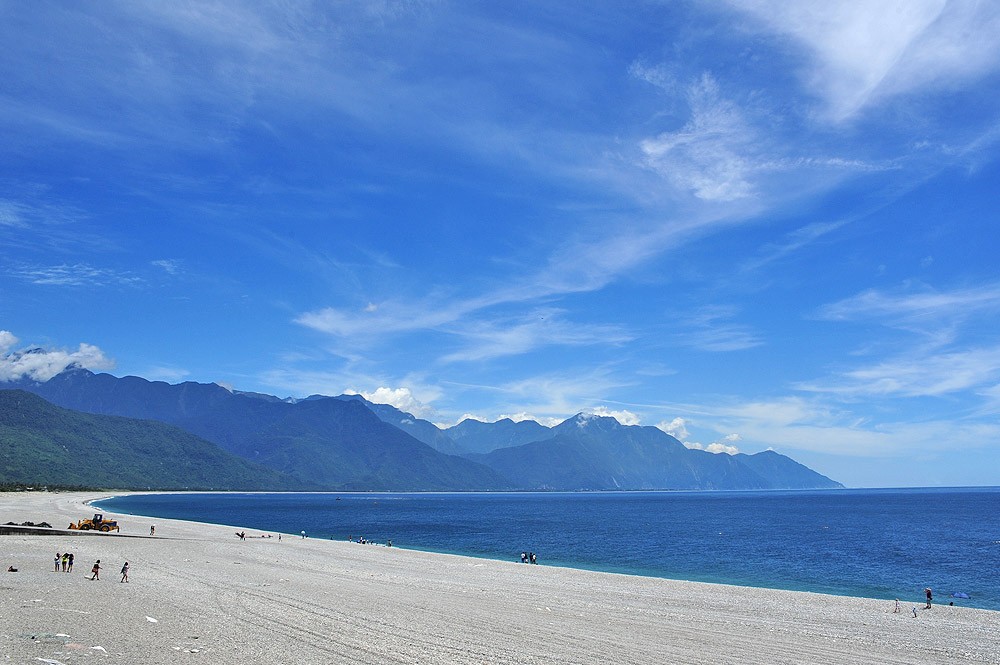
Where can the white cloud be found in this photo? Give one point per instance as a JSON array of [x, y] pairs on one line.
[[486, 339], [676, 428], [7, 341], [793, 241], [715, 448], [559, 395], [79, 274], [401, 398], [623, 416], [909, 308], [388, 317], [865, 51], [169, 266], [734, 151], [937, 363], [37, 221], [40, 364], [522, 416], [712, 155], [11, 214], [917, 374], [709, 329], [479, 336], [789, 424]]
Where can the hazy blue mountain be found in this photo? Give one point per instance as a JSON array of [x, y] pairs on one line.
[[783, 472], [421, 430], [43, 444], [599, 453], [328, 442], [475, 436], [349, 443]]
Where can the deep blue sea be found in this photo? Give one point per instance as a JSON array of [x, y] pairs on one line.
[[887, 543]]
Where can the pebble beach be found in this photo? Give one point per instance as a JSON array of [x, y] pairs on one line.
[[199, 594]]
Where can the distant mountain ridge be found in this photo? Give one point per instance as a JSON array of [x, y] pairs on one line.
[[599, 453], [421, 430], [43, 444], [476, 436], [349, 443], [328, 443]]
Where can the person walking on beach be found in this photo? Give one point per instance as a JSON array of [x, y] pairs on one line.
[[125, 572], [58, 559], [96, 571], [65, 561], [927, 592], [70, 569], [152, 529]]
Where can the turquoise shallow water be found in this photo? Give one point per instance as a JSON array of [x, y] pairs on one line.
[[887, 543]]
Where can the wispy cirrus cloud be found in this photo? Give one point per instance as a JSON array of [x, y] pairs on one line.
[[75, 275], [866, 52], [32, 221], [916, 305], [732, 151], [484, 339], [551, 395], [169, 266], [916, 373], [710, 328], [814, 423], [944, 356], [713, 154]]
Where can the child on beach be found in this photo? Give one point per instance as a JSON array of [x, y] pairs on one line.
[[65, 561], [58, 558], [70, 569], [125, 572], [96, 570]]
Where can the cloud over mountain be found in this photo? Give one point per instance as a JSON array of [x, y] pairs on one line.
[[40, 364]]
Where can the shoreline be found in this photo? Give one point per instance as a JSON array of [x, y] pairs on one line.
[[196, 589], [779, 574]]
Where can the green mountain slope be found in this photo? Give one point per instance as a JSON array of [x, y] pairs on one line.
[[43, 444], [327, 443]]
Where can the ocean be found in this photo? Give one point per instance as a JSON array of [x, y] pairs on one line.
[[880, 543]]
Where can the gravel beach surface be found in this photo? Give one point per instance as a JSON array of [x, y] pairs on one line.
[[199, 594]]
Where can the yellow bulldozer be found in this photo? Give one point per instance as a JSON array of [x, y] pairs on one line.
[[98, 523]]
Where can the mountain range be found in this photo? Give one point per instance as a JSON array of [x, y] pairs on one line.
[[43, 444], [349, 443]]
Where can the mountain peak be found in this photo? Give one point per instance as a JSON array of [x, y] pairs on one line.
[[592, 422]]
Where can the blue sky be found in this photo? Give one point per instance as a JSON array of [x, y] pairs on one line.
[[755, 224]]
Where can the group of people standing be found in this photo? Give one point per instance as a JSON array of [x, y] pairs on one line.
[[65, 560], [528, 557]]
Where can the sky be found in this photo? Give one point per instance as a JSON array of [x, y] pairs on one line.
[[754, 224]]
